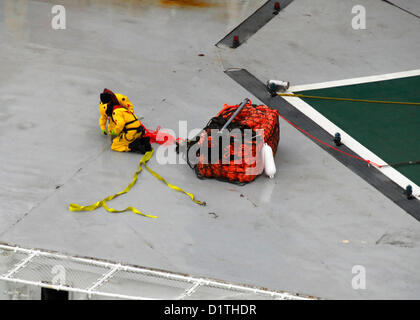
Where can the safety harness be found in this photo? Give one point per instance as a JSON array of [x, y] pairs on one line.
[[139, 129]]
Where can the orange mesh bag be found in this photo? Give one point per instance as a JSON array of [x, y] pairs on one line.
[[233, 164]]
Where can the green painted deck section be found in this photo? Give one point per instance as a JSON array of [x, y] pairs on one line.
[[390, 131]]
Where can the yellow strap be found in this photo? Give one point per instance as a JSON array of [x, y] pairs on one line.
[[346, 99], [157, 176], [75, 207]]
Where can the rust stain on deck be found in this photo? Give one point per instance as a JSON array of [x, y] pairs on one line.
[[188, 3]]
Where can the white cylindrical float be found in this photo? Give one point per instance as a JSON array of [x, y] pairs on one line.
[[268, 158]]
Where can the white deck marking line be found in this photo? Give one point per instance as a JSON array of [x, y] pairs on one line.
[[353, 144], [346, 82]]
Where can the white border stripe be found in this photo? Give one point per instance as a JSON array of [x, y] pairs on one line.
[[348, 140], [346, 82]]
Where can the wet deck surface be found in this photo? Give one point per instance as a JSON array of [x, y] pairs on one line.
[[301, 232]]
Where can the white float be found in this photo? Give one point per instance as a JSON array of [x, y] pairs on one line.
[[268, 158]]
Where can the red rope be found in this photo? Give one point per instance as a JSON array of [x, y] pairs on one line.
[[160, 137], [164, 138], [329, 146]]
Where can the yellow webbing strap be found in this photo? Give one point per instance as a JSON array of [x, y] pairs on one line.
[[297, 95], [157, 176], [75, 207]]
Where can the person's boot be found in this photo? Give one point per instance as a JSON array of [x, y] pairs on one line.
[[141, 145]]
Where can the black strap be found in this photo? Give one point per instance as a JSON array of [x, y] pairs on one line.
[[128, 123], [138, 129], [125, 129]]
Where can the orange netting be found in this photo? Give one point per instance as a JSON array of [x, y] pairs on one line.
[[227, 167]]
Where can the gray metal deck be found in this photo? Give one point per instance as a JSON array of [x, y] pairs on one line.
[[283, 234]]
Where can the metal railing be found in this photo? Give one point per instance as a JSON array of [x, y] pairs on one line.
[[95, 278]]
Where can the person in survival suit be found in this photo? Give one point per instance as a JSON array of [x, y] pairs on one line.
[[123, 125]]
